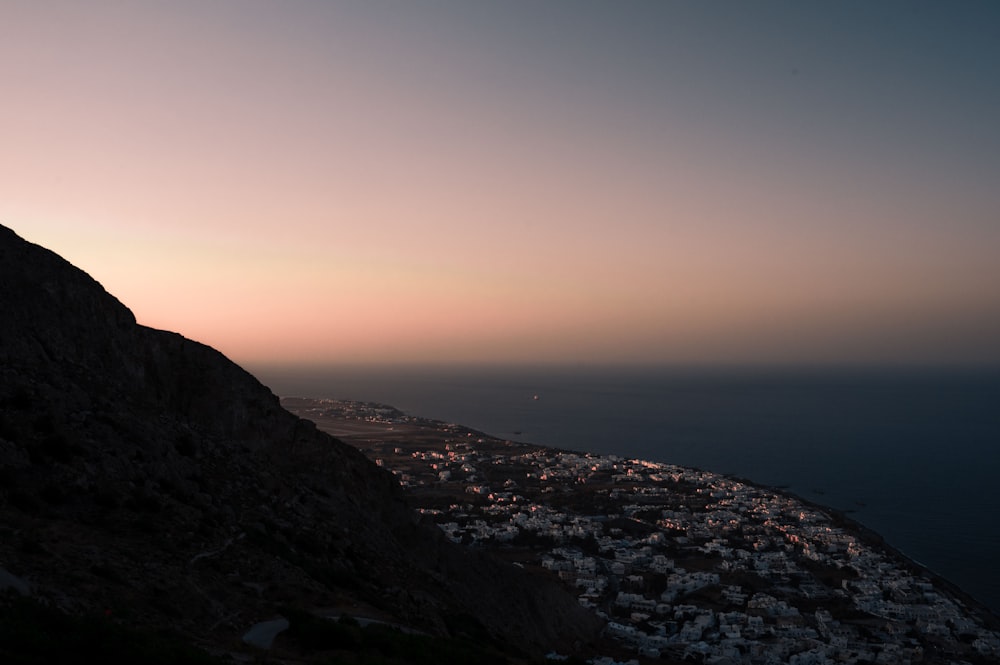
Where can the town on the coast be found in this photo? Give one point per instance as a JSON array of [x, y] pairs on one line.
[[683, 565]]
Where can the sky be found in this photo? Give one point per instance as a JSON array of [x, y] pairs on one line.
[[585, 182]]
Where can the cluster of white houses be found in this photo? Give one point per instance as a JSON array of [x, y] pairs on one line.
[[690, 564], [684, 563]]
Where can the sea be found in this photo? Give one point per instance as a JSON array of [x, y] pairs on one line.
[[913, 454]]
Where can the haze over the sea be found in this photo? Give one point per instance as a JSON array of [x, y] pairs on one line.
[[564, 181]]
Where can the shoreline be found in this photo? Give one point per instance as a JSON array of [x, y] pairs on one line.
[[990, 617], [364, 427]]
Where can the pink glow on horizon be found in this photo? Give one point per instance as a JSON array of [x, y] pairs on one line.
[[335, 183]]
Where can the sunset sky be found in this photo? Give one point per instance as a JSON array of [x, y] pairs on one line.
[[519, 181]]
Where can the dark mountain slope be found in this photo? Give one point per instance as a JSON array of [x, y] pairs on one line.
[[145, 475]]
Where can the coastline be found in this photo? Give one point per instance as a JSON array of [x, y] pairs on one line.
[[380, 430], [908, 451], [363, 428], [869, 535]]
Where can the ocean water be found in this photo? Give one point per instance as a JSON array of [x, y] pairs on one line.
[[912, 454]]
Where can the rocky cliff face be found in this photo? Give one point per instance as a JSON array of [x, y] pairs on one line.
[[144, 475]]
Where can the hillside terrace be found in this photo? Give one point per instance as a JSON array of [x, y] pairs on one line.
[[683, 564]]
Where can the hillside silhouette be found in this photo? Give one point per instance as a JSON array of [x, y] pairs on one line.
[[149, 483]]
